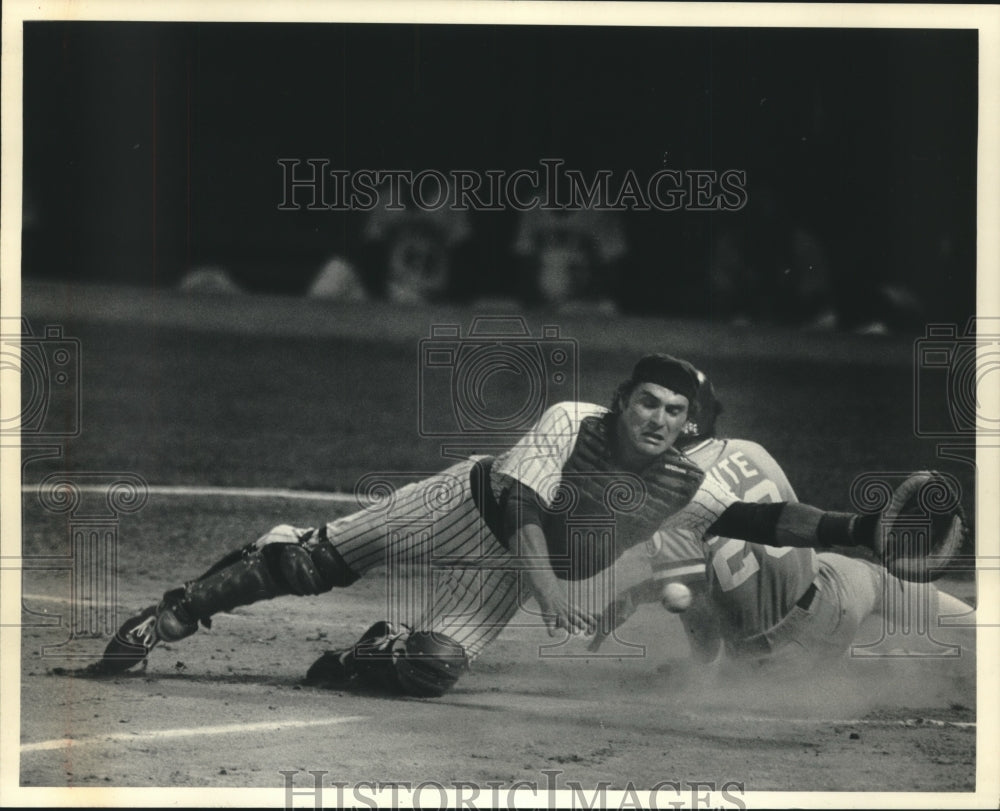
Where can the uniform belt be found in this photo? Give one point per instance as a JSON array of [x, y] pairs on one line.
[[482, 496], [759, 644], [807, 598]]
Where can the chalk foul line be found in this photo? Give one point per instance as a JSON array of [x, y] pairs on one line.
[[872, 722], [232, 492], [268, 726]]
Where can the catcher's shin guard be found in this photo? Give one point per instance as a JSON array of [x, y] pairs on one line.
[[308, 565], [243, 582], [243, 579]]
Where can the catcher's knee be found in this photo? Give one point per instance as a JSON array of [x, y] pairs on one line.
[[305, 561]]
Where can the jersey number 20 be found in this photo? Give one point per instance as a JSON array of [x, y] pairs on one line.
[[734, 563]]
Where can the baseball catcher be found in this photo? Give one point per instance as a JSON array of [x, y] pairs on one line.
[[494, 524]]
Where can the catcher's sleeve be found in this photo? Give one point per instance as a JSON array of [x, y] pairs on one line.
[[521, 506]]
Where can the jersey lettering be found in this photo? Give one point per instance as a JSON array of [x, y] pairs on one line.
[[723, 467], [716, 475], [756, 585], [748, 470]]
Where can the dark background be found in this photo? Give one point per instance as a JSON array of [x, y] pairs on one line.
[[152, 148]]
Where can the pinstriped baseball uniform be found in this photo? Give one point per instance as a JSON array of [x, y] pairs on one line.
[[434, 541], [445, 569], [594, 513]]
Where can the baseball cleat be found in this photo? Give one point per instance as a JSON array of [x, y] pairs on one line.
[[139, 635], [130, 645]]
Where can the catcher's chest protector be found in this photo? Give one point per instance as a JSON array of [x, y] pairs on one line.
[[603, 510]]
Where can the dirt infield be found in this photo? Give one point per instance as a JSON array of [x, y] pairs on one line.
[[199, 405], [226, 707], [592, 720]]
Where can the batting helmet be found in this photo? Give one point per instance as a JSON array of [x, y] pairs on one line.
[[704, 414]]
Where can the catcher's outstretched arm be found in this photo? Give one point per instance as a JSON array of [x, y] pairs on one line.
[[930, 498], [794, 524]]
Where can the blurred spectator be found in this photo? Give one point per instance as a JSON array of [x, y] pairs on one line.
[[413, 248], [209, 280], [893, 307], [766, 268], [569, 258], [337, 280]]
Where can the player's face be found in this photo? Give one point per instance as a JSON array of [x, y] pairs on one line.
[[651, 420]]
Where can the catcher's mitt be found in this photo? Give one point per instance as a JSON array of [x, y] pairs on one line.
[[430, 665], [923, 528]]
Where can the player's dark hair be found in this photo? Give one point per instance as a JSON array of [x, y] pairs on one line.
[[620, 396]]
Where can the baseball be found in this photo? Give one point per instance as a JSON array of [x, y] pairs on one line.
[[676, 597]]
